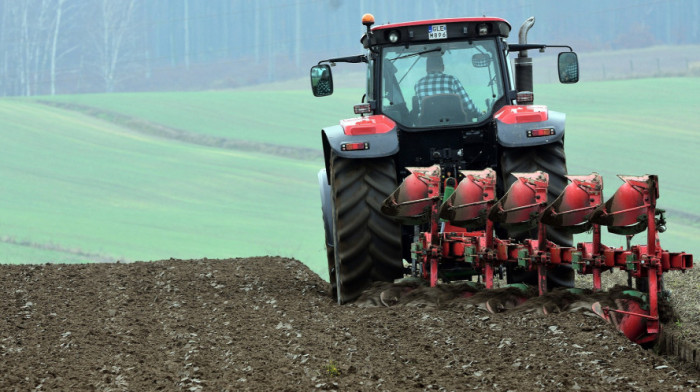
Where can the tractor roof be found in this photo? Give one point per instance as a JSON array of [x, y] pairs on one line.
[[438, 29], [442, 21]]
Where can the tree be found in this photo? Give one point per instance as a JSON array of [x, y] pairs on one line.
[[114, 31], [26, 26], [186, 15], [54, 43]]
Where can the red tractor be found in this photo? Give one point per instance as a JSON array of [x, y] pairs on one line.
[[485, 169]]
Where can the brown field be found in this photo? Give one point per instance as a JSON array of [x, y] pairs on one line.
[[268, 323]]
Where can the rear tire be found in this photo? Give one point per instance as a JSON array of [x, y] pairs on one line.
[[367, 243], [330, 256], [551, 159]]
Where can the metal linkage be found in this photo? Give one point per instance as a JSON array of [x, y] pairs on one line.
[[461, 231]]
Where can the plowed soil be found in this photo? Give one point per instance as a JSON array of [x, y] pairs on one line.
[[269, 324]]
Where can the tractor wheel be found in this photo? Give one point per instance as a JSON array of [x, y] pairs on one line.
[[367, 243], [330, 255], [551, 159]]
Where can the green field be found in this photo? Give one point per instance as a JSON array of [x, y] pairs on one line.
[[288, 117], [80, 188], [91, 187], [637, 127]]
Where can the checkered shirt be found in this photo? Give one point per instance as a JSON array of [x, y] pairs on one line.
[[440, 83], [571, 69], [323, 87]]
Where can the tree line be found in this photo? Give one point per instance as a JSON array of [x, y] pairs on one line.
[[77, 46]]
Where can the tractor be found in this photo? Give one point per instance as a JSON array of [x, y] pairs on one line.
[[486, 190]]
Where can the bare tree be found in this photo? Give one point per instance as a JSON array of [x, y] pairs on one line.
[[31, 45], [114, 30], [3, 54], [297, 35], [71, 46], [257, 42], [187, 34], [24, 52], [31, 51], [11, 54], [54, 43]]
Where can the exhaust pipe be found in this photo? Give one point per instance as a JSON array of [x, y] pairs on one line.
[[523, 63]]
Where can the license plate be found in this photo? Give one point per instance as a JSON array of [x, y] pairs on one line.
[[437, 31]]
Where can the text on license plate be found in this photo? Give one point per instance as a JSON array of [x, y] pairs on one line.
[[437, 31]]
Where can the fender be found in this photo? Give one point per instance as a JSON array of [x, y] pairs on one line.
[[377, 137], [515, 126], [326, 206]]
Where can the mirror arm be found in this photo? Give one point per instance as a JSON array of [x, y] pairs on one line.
[[518, 47], [561, 46], [350, 59]]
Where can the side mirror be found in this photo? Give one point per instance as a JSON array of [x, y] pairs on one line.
[[321, 80], [481, 60], [568, 67]]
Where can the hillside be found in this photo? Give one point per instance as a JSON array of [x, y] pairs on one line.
[[78, 188], [95, 180], [141, 177]]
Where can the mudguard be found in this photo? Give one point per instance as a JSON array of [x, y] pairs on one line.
[[515, 123], [326, 205], [378, 134]]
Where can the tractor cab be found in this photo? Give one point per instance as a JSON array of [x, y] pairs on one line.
[[436, 73], [439, 73], [440, 84]]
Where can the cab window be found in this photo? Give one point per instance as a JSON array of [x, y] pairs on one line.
[[441, 84]]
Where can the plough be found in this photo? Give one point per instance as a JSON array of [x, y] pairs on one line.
[[462, 219]]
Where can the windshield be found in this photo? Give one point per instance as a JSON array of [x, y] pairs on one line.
[[447, 83]]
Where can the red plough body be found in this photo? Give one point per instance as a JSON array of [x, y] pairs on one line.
[[469, 214]]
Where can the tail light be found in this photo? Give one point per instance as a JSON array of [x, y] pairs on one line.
[[524, 97], [363, 108]]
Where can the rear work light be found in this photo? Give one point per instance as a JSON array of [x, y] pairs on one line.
[[363, 108], [525, 96], [354, 146], [394, 36], [540, 132]]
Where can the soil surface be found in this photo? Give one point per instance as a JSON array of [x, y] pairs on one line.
[[269, 324]]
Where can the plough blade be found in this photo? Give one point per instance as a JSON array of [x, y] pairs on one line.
[[469, 204], [573, 207], [626, 211], [411, 202], [628, 317], [520, 207]]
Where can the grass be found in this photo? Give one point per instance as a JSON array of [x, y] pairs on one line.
[[85, 184], [286, 117], [30, 253], [331, 369], [78, 188], [637, 127]]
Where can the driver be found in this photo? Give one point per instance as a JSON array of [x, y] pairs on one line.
[[568, 73], [437, 82]]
